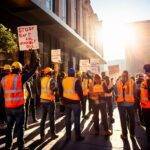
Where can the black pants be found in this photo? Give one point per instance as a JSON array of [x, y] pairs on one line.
[[127, 119], [90, 104], [109, 106], [2, 111], [30, 105], [76, 109], [47, 108], [146, 118], [15, 117], [102, 108], [83, 102]]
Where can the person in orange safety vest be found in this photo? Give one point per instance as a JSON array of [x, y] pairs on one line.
[[72, 96], [12, 86], [145, 100], [125, 100], [48, 87], [96, 94]]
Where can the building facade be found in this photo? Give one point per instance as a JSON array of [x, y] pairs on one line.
[[69, 25], [138, 49]]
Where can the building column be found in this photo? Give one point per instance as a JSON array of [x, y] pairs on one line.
[[79, 20]]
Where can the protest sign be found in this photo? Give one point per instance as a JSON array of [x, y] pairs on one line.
[[95, 66], [84, 65], [28, 37], [56, 55]]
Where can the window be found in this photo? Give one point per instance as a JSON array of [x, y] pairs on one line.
[[74, 14], [63, 10], [49, 4]]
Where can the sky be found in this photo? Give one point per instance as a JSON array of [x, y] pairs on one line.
[[114, 13]]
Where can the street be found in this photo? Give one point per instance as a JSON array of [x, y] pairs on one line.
[[91, 142]]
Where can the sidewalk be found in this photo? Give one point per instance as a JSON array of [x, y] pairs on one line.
[[91, 141]]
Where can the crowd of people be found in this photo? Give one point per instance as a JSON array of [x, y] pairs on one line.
[[22, 88]]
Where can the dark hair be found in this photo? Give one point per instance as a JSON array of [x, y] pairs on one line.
[[125, 71]]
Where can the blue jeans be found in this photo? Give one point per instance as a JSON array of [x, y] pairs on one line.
[[127, 119], [47, 108], [15, 117], [76, 109], [102, 108]]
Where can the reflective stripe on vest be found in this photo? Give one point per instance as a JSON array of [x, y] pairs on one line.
[[128, 91], [46, 92], [13, 90], [69, 88], [145, 102]]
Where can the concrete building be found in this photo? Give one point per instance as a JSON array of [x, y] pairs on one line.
[[69, 25], [138, 48]]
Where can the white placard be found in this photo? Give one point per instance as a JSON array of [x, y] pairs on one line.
[[56, 55], [95, 66], [28, 37], [84, 65]]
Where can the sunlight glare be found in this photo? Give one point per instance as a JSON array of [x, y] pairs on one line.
[[115, 36]]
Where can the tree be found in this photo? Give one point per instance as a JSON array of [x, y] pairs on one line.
[[8, 40]]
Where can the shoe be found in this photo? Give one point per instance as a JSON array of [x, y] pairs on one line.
[[42, 137], [85, 117], [80, 138], [112, 120], [124, 137], [54, 136]]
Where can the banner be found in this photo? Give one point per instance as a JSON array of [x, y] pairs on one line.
[[28, 37], [113, 69], [84, 65], [56, 55], [95, 66]]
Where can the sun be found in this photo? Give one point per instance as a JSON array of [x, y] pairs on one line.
[[115, 35]]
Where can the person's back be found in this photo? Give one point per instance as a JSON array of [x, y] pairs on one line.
[[72, 94]]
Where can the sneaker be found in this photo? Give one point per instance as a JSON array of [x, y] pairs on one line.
[[54, 136], [80, 138], [124, 137]]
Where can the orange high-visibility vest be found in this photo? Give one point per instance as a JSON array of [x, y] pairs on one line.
[[128, 91], [96, 92], [13, 90], [85, 87], [69, 88], [145, 102], [46, 93]]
